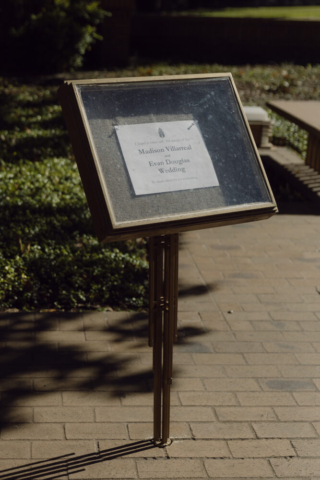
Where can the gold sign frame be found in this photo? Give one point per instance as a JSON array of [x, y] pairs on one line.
[[96, 187]]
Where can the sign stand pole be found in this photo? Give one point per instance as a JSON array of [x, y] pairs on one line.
[[163, 308]]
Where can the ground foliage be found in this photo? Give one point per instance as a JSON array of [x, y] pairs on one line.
[[283, 12], [67, 29], [49, 255]]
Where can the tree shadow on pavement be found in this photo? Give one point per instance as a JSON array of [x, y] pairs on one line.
[[61, 352]]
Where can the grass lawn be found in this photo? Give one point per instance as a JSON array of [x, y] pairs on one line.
[[288, 13], [49, 255]]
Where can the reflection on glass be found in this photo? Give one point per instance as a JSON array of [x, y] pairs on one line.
[[223, 161]]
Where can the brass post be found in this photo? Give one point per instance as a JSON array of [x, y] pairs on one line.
[[152, 298], [163, 274]]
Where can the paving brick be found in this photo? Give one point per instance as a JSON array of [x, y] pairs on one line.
[[305, 414], [263, 307], [219, 430], [312, 398], [284, 430], [226, 307], [141, 431], [287, 347], [317, 347], [216, 336], [140, 449], [192, 414], [63, 414], [209, 316], [284, 298], [71, 322], [174, 468], [126, 346], [21, 469], [241, 298], [253, 371], [64, 337], [261, 448], [305, 282], [237, 326], [259, 336], [193, 347], [95, 346], [296, 467], [124, 414], [117, 317], [308, 358], [52, 384], [178, 358], [271, 359], [307, 448], [140, 399], [231, 385], [117, 361], [293, 316], [302, 336], [192, 306], [247, 468], [304, 307], [86, 431], [200, 371], [107, 336], [300, 371], [300, 290], [311, 297], [277, 326], [187, 384], [16, 384], [49, 449], [317, 427], [196, 317], [218, 359], [206, 398], [25, 431], [247, 316], [97, 320], [18, 415], [198, 448], [253, 289], [116, 468], [246, 414], [14, 450], [89, 399], [239, 347], [216, 325], [310, 326], [287, 385], [43, 321], [265, 398], [33, 371]]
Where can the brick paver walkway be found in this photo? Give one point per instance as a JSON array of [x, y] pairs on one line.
[[76, 399]]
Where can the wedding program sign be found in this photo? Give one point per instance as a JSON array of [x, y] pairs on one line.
[[161, 155], [166, 157]]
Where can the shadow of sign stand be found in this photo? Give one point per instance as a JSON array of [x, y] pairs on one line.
[[159, 156]]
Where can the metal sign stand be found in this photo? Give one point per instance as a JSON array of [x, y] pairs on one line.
[[163, 303]]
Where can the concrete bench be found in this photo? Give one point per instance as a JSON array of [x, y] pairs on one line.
[[305, 114]]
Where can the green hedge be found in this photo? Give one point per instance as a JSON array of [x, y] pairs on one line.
[[49, 255], [50, 35]]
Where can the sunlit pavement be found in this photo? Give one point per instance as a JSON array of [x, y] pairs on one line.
[[76, 389]]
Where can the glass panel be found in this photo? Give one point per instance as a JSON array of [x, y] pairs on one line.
[[210, 105]]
